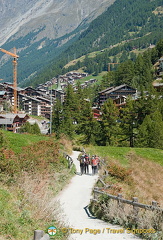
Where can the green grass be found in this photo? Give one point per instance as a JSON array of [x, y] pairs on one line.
[[99, 77], [39, 117], [120, 153], [117, 153], [155, 155], [17, 141]]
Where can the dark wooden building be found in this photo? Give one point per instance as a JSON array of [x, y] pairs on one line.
[[120, 92]]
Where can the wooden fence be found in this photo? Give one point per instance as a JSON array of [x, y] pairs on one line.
[[119, 198], [134, 202], [69, 159]]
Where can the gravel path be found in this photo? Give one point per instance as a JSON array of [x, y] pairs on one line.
[[73, 203]]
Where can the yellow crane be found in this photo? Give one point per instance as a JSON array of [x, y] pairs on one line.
[[15, 56]]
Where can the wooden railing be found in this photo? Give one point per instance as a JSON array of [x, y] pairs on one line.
[[69, 159], [134, 202]]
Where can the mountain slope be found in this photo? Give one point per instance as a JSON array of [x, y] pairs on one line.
[[125, 20], [39, 29]]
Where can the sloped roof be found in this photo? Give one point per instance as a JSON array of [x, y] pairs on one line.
[[18, 88], [107, 89], [112, 89], [7, 121], [12, 115]]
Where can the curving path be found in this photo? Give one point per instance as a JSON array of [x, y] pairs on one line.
[[74, 213]]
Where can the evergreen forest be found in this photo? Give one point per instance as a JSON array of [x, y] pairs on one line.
[[138, 124]]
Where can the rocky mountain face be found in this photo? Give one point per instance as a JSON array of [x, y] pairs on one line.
[[34, 25]]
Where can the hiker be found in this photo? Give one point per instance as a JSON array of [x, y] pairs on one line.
[[98, 163], [82, 163], [94, 164], [87, 162]]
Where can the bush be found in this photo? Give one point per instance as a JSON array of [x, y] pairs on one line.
[[118, 171]]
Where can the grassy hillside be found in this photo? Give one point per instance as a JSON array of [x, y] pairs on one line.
[[142, 165], [132, 173], [17, 141], [29, 166]]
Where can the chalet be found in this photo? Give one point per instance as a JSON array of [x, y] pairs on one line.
[[158, 86], [3, 96], [12, 122], [116, 92]]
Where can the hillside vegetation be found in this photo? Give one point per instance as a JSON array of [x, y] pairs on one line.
[[32, 172], [133, 172], [137, 22]]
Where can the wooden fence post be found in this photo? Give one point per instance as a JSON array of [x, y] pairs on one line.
[[38, 234], [120, 204], [135, 208], [154, 204], [95, 194]]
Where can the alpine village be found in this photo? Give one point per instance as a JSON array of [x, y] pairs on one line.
[[92, 91]]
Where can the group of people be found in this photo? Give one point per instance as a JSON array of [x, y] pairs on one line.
[[86, 161]]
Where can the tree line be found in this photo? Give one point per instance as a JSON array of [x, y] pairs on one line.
[[139, 123]]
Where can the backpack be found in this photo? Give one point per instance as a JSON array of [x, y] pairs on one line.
[[94, 162], [87, 159], [82, 159]]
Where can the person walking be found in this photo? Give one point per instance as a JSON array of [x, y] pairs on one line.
[[87, 162], [82, 164], [94, 165]]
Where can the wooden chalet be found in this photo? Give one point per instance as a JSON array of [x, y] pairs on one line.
[[120, 93], [12, 122]]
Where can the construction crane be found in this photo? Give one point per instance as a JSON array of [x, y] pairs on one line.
[[109, 65], [15, 56]]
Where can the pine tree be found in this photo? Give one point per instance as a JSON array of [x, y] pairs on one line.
[[109, 123], [128, 118], [150, 132], [88, 126], [57, 118], [125, 73], [67, 123]]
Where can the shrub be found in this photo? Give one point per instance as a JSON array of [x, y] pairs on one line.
[[120, 172]]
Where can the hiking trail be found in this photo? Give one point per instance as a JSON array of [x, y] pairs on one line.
[[74, 213]]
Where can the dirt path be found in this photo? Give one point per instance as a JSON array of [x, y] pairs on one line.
[[73, 202]]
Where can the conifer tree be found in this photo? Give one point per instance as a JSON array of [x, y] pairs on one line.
[[150, 132], [88, 126], [57, 118], [128, 118], [110, 128], [67, 123]]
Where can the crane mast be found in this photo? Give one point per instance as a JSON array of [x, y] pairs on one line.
[[15, 56]]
